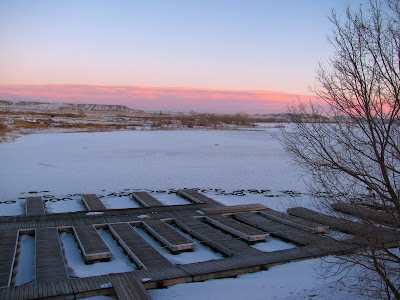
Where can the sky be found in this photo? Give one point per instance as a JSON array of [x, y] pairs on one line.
[[252, 56]]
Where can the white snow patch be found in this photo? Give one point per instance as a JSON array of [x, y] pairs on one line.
[[26, 260], [273, 244]]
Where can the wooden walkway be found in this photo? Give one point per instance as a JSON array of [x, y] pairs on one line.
[[196, 197], [204, 221], [146, 200], [140, 251], [8, 248], [49, 259], [335, 223], [382, 217], [91, 244], [214, 238], [93, 203], [168, 236], [293, 221], [129, 288], [237, 229], [285, 232], [233, 208], [34, 206]]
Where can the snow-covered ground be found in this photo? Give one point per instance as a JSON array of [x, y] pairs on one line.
[[233, 167]]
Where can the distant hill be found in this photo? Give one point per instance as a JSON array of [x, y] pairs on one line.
[[64, 106]]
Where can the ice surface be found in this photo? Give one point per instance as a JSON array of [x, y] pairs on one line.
[[158, 160]]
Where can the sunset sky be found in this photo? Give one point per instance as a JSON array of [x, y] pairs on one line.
[[223, 56]]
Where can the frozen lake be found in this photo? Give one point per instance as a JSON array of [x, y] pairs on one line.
[[76, 163]]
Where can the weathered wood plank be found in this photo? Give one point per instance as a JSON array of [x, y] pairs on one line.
[[93, 203], [236, 228], [34, 206], [145, 199], [214, 238], [49, 259], [140, 251], [91, 244], [196, 197], [384, 217], [293, 221], [8, 248], [279, 230], [168, 236], [233, 208]]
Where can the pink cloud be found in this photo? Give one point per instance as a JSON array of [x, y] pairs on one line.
[[158, 98]]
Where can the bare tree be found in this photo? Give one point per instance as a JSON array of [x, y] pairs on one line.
[[357, 154]]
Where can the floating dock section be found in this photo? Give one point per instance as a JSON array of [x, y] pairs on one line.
[[34, 206], [93, 203], [145, 199], [92, 246], [8, 248]]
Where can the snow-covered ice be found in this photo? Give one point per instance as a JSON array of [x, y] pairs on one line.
[[216, 162], [273, 244]]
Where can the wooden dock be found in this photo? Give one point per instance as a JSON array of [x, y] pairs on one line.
[[145, 199], [293, 221], [8, 248], [139, 250], [222, 228], [129, 288], [233, 208], [196, 197], [91, 244], [93, 203], [236, 228], [34, 206], [49, 258], [168, 236], [276, 229], [214, 238], [382, 217]]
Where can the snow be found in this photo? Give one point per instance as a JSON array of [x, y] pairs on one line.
[[289, 281], [112, 202], [120, 262], [201, 252], [25, 266], [77, 163], [273, 244], [113, 162]]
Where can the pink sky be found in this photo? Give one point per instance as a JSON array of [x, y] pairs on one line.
[[157, 98]]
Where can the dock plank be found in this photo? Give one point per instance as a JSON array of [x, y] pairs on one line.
[[384, 217], [216, 239], [168, 236], [196, 197], [233, 208], [34, 206], [145, 199], [91, 244], [49, 259], [293, 221], [93, 203], [8, 247], [138, 248], [279, 230], [236, 228], [129, 289]]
